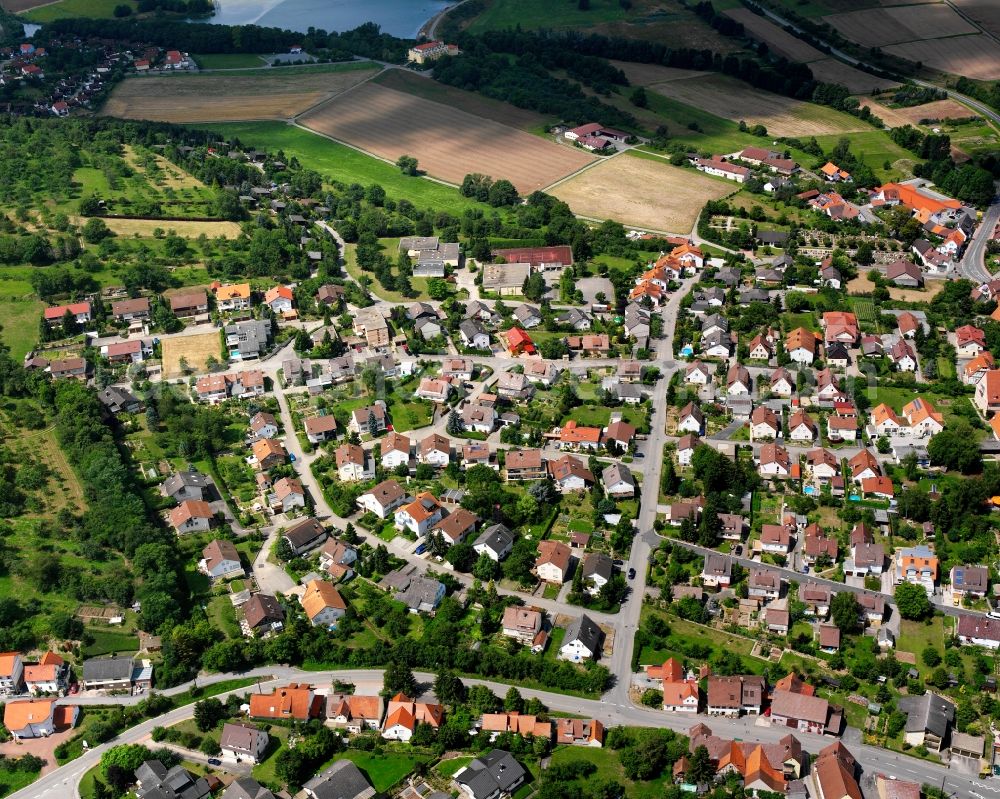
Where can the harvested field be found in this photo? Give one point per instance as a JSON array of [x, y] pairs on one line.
[[831, 70], [939, 109], [448, 143], [975, 57], [647, 74], [877, 27], [195, 349], [429, 89], [642, 192], [17, 6], [862, 285], [225, 98], [186, 228], [732, 99], [890, 116], [985, 13], [778, 39]]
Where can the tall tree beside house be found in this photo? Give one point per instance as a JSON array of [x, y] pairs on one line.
[[846, 612], [398, 679], [372, 423], [454, 425]]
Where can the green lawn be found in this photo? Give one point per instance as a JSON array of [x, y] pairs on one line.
[[915, 636], [228, 60], [103, 9], [609, 767], [386, 770], [11, 781], [222, 614], [20, 311], [108, 641], [341, 163], [410, 415], [448, 768]]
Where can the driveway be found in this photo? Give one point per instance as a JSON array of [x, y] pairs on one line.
[[40, 747]]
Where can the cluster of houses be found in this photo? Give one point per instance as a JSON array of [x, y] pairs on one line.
[[156, 59], [770, 165]]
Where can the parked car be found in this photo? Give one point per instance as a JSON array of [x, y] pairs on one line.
[[214, 761], [631, 573]]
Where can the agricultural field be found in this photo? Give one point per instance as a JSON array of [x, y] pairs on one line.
[[648, 20], [734, 100], [975, 57], [343, 164], [646, 192], [862, 285], [831, 70], [985, 13], [222, 98], [229, 60], [195, 350], [778, 39], [878, 27], [447, 143], [820, 8], [184, 228], [46, 11], [429, 89]]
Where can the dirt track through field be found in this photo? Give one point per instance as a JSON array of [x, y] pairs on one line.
[[447, 143], [732, 99], [642, 192], [227, 98], [186, 228]]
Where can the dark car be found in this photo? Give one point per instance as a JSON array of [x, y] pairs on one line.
[[214, 761], [631, 574], [638, 455]]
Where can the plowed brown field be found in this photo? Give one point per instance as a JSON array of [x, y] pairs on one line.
[[447, 143]]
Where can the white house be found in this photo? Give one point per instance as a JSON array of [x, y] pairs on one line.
[[243, 743], [764, 424], [434, 450], [496, 542], [395, 450], [353, 463], [383, 499], [685, 449], [420, 515], [691, 419], [582, 640]]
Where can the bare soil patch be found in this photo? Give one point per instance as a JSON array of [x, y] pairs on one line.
[[862, 285], [646, 74], [227, 98], [939, 109], [641, 192], [195, 349], [975, 57], [735, 100], [429, 89], [185, 228], [877, 27], [448, 143], [830, 70]]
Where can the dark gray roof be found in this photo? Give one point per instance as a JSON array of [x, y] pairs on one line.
[[114, 396], [928, 713], [180, 480], [104, 669], [246, 788], [343, 780], [597, 563], [498, 537], [584, 630], [177, 783], [495, 770], [471, 328], [305, 532]]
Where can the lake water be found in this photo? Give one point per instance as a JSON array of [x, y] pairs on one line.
[[399, 17]]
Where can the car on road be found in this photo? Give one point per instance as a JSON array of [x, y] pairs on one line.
[[631, 573], [638, 455], [738, 550], [214, 761]]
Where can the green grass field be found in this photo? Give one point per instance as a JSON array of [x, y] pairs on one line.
[[385, 771], [108, 641], [609, 767], [11, 781], [874, 147], [530, 14], [103, 9], [20, 310], [340, 163], [229, 60]]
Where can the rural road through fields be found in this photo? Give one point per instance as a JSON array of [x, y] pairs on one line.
[[64, 781]]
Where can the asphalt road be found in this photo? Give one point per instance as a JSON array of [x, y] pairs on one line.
[[64, 781], [973, 264]]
